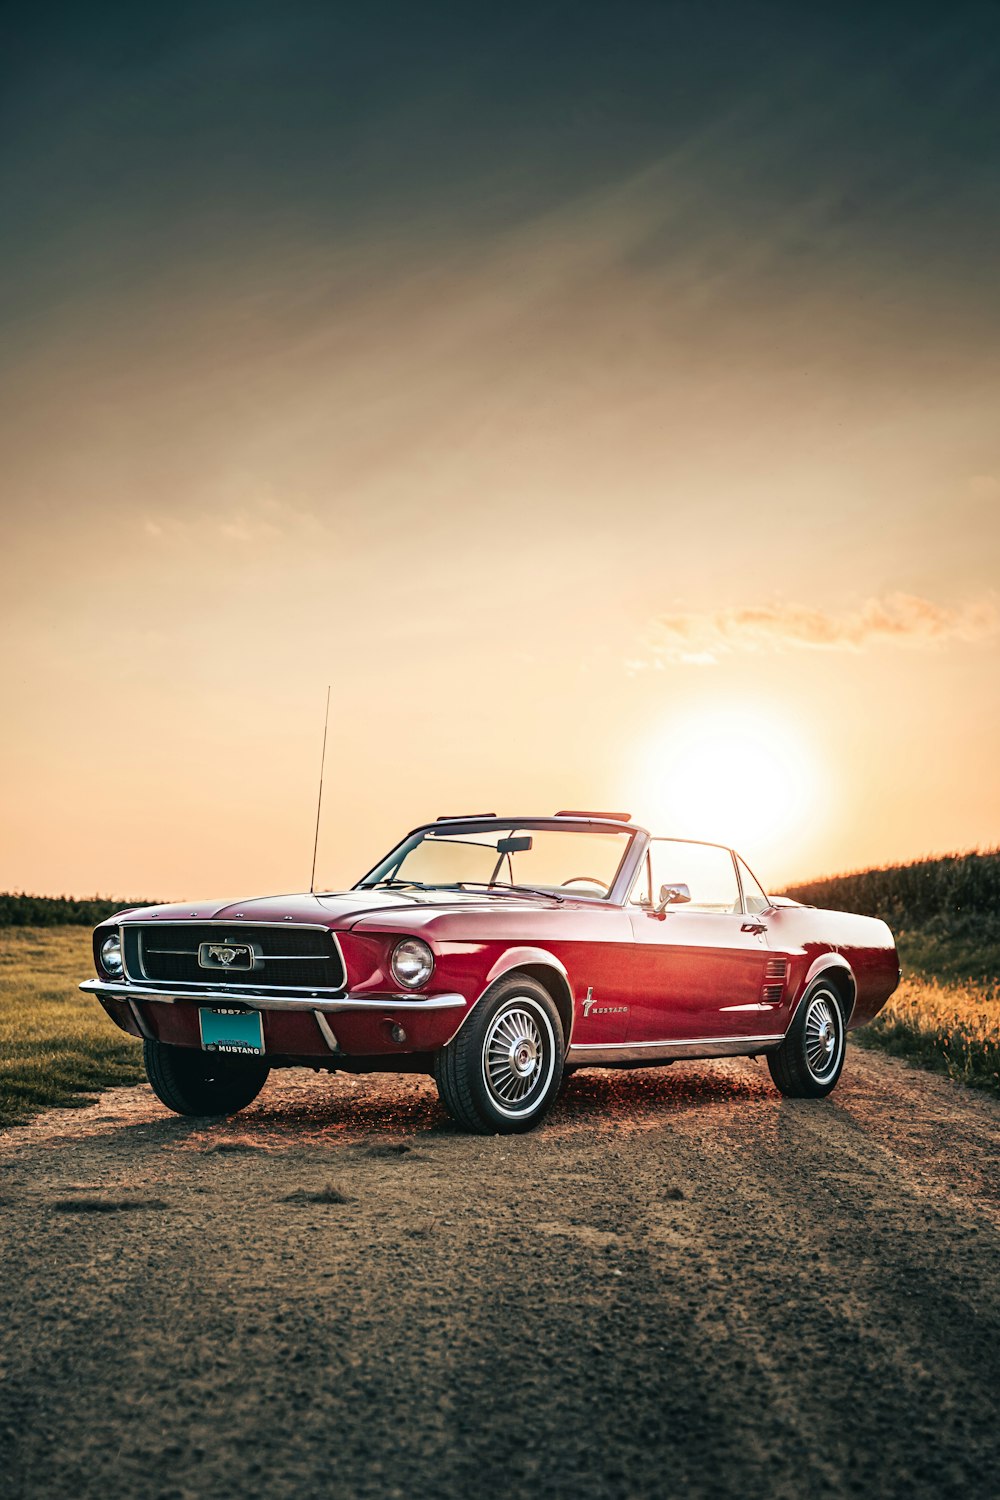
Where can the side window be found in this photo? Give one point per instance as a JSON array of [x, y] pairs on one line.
[[706, 869], [754, 895], [640, 892]]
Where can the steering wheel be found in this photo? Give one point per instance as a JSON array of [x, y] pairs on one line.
[[587, 880]]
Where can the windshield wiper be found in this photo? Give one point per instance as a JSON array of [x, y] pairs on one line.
[[506, 889], [417, 885]]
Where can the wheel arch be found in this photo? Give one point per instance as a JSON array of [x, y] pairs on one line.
[[542, 966], [557, 984], [835, 969]]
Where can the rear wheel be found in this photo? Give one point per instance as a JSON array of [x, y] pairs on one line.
[[809, 1060], [202, 1083], [501, 1073]]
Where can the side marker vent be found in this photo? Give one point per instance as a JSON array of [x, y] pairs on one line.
[[775, 974]]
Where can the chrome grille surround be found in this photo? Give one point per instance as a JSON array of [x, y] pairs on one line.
[[287, 955]]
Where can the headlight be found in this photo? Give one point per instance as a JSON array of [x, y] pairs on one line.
[[412, 963], [111, 954]]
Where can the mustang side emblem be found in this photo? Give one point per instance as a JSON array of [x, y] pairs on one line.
[[225, 956], [590, 1004]]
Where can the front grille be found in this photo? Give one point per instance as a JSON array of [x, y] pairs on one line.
[[283, 957]]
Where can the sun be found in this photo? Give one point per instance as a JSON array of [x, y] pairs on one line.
[[733, 775]]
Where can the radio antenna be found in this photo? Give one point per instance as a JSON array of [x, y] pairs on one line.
[[319, 799]]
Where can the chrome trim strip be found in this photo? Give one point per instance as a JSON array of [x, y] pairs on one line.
[[302, 1000], [202, 921], [195, 989], [280, 958], [630, 867], [591, 1054], [235, 921], [328, 1036]]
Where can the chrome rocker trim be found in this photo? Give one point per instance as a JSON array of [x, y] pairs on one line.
[[594, 1054], [305, 1000]]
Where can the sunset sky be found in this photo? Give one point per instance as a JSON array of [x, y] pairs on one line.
[[604, 400]]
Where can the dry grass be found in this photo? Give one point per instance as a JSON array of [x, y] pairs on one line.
[[952, 1028], [57, 1047]]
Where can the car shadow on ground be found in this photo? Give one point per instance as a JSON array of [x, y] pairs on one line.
[[628, 1092], [298, 1110]]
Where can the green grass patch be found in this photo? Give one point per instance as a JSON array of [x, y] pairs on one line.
[[959, 956], [57, 1047]]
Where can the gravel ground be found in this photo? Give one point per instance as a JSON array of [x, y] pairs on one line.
[[680, 1285]]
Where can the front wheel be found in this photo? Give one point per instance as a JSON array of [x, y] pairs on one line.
[[201, 1083], [809, 1060], [502, 1071]]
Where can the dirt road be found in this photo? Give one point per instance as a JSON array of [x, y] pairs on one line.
[[679, 1286]]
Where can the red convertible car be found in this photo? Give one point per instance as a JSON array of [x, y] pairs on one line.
[[496, 954]]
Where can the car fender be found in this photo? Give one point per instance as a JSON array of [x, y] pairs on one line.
[[531, 958], [822, 965]]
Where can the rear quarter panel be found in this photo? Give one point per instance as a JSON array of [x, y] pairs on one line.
[[815, 939]]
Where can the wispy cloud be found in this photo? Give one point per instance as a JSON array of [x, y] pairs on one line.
[[700, 639], [260, 521]]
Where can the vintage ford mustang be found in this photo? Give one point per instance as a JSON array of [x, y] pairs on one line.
[[496, 954]]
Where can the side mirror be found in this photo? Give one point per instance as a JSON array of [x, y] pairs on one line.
[[673, 895]]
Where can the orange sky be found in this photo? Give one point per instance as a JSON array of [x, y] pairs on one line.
[[654, 476]]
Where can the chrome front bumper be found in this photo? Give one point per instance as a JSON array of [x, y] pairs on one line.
[[260, 1000]]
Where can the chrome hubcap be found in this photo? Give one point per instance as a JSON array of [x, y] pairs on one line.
[[821, 1037], [513, 1054]]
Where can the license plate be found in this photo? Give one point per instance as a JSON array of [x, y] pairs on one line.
[[240, 1032]]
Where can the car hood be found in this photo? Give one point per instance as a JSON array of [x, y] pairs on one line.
[[339, 909]]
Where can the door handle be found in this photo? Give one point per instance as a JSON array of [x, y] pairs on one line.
[[754, 927]]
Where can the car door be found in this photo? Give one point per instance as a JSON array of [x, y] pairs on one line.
[[699, 963]]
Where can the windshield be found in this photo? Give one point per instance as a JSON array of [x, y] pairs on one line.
[[506, 856]]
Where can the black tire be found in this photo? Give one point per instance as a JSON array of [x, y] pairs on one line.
[[191, 1082], [501, 1073], [809, 1060]]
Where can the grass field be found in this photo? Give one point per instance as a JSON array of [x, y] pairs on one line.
[[57, 1047]]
